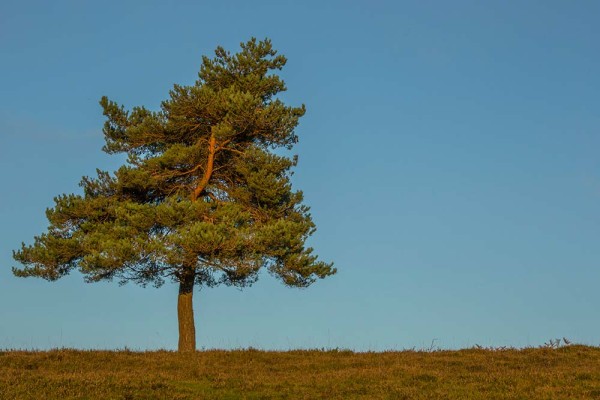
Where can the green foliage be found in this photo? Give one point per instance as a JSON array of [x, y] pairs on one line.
[[202, 189]]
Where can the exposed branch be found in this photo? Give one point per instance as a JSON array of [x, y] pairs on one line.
[[232, 150], [178, 173], [209, 168]]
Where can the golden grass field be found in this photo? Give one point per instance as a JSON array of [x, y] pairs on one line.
[[570, 372]]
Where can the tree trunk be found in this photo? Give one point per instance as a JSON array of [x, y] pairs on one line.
[[185, 313]]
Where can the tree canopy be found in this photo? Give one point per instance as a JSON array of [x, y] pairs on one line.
[[204, 198]]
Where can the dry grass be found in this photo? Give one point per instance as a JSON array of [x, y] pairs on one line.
[[571, 372]]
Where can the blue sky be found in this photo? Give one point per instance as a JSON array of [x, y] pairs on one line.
[[449, 154]]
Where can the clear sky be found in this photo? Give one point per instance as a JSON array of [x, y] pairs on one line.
[[449, 154]]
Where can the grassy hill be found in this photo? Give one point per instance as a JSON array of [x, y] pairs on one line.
[[571, 372]]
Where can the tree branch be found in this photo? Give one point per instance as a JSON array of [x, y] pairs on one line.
[[209, 168]]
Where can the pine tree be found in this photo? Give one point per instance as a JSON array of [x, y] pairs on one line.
[[204, 198]]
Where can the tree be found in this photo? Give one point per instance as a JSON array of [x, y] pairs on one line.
[[204, 198]]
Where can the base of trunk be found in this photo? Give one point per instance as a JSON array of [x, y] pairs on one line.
[[185, 314]]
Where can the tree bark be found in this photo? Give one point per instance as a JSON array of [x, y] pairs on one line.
[[212, 149], [185, 313], [185, 309]]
